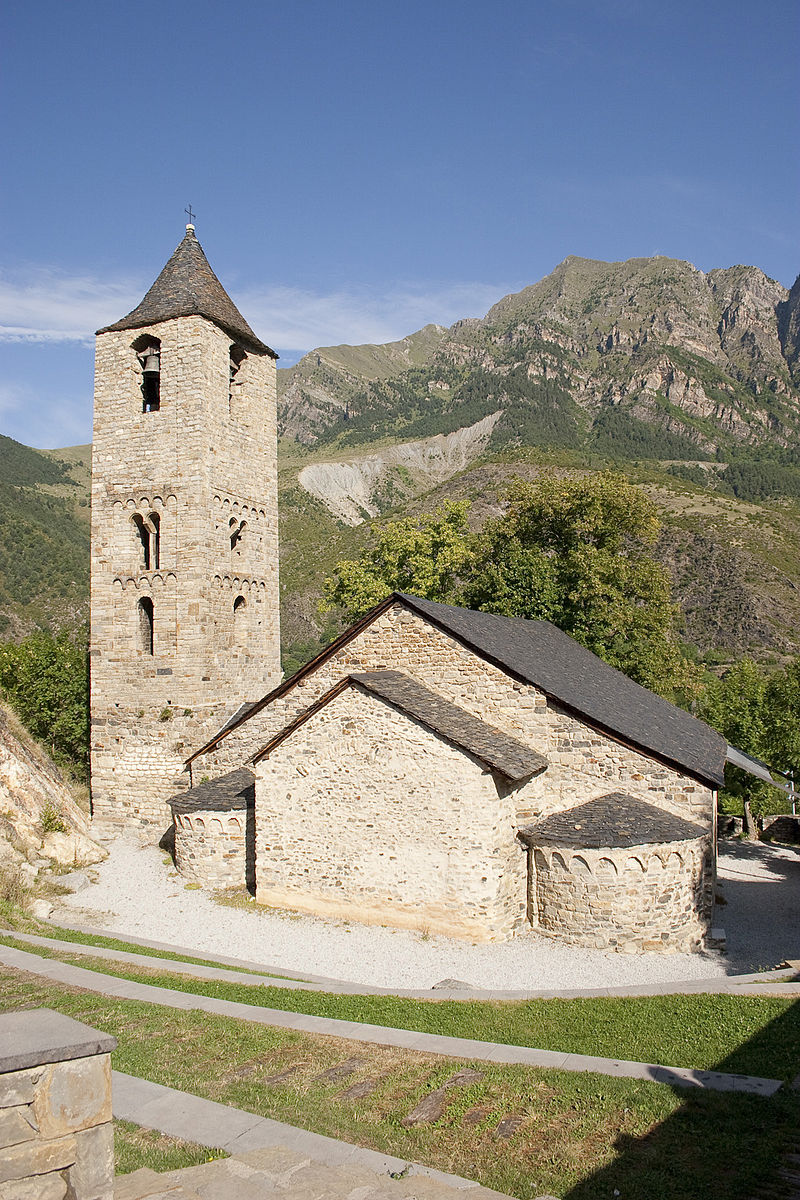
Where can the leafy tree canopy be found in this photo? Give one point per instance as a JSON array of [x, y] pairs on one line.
[[759, 714], [45, 680], [572, 550], [425, 555]]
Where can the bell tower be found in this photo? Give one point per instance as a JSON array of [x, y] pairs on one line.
[[184, 559]]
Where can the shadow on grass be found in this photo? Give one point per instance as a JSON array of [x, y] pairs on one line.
[[720, 1145]]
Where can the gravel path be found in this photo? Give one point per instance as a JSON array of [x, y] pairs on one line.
[[137, 894], [760, 885]]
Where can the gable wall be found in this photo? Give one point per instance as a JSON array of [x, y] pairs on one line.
[[364, 813], [583, 763]]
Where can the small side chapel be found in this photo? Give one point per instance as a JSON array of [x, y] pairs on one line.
[[435, 768]]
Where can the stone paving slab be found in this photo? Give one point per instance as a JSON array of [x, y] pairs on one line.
[[29, 1039], [451, 1047], [289, 1157], [782, 981]]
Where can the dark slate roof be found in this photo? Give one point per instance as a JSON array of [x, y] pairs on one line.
[[187, 287], [496, 750], [241, 712], [610, 822], [540, 654], [226, 794]]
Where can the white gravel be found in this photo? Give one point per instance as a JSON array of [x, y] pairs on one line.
[[138, 894]]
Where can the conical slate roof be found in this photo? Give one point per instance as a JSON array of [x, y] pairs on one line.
[[187, 287], [610, 822]]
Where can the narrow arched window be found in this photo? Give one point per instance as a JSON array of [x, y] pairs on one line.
[[143, 534], [148, 352], [239, 619], [145, 608]]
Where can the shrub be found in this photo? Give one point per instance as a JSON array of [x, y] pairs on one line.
[[51, 820]]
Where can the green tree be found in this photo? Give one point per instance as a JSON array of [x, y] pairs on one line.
[[573, 550], [45, 679], [782, 732], [736, 707], [576, 550], [425, 555]]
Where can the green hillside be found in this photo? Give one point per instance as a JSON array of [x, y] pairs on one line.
[[689, 382], [44, 539]]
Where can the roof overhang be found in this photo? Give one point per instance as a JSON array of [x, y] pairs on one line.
[[757, 768]]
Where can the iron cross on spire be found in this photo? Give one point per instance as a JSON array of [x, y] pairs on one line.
[[190, 214]]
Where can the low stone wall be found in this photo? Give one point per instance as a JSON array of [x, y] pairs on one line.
[[631, 899], [785, 827], [214, 834], [56, 1135]]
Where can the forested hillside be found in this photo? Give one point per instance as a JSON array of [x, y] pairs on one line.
[[44, 538], [689, 382], [686, 381]]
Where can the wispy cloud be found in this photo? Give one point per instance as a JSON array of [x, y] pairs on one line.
[[44, 305], [305, 319]]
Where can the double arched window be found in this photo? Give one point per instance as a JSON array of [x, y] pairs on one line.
[[237, 357], [236, 529], [148, 532]]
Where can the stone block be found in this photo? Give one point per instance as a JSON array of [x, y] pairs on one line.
[[36, 1158], [31, 1037], [17, 1087], [52, 1186], [17, 1125], [92, 1176], [74, 1095]]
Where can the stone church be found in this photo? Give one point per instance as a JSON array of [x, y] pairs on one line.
[[435, 768]]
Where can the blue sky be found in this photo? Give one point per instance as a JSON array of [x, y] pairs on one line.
[[359, 169]]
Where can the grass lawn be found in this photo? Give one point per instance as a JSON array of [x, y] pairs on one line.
[[753, 1035], [579, 1137], [135, 1147], [11, 919]]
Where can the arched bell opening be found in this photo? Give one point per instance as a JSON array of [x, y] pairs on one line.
[[148, 352]]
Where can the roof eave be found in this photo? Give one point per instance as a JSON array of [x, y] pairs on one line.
[[249, 341]]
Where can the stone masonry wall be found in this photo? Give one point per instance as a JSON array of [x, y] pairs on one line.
[[56, 1132], [639, 899], [205, 465], [211, 848], [583, 762], [364, 813]]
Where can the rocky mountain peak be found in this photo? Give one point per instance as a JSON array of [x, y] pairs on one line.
[[698, 355], [789, 329]]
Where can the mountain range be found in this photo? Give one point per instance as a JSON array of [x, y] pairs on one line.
[[584, 358], [687, 381]]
